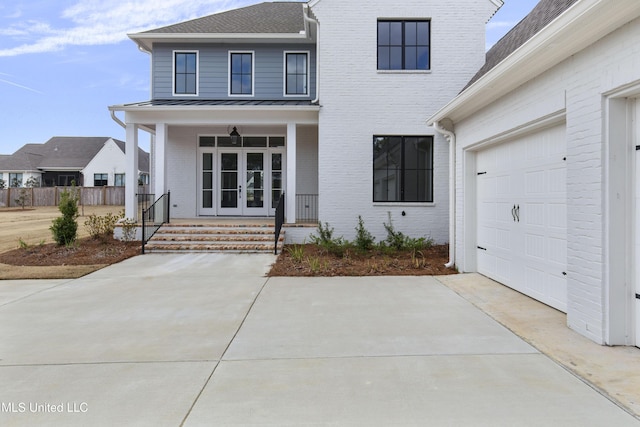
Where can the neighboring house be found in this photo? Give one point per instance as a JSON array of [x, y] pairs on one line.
[[87, 161], [322, 101], [547, 182]]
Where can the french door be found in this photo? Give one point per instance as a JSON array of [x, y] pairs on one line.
[[239, 182], [241, 177]]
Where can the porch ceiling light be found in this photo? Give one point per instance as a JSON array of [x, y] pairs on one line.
[[235, 136]]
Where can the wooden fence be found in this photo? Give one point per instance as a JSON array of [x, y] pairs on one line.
[[50, 196]]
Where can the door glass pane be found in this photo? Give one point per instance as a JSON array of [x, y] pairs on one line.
[[254, 141], [276, 141], [207, 141], [207, 180], [255, 180], [226, 141], [229, 180]]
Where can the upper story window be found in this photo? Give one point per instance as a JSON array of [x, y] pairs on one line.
[[241, 73], [296, 73], [185, 66], [404, 45]]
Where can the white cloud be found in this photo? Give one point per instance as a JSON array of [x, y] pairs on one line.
[[20, 86], [98, 22]]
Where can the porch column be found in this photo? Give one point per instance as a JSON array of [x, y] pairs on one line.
[[131, 172], [160, 186], [290, 192]]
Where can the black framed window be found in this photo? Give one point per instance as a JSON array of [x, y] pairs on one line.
[[100, 179], [403, 169], [15, 180], [404, 45], [297, 73], [118, 180], [186, 73], [241, 74]]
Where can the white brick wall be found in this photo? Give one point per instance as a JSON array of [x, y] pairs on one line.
[[359, 102], [579, 84]]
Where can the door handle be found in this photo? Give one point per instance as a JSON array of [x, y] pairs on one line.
[[513, 213], [240, 190], [518, 213]]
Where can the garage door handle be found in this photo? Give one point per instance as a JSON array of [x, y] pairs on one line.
[[518, 213], [513, 213]]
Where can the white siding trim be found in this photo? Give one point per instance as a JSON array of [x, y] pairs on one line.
[[284, 73], [253, 74], [173, 72]]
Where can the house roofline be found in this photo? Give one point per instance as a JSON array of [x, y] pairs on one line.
[[145, 41], [581, 25], [135, 107]]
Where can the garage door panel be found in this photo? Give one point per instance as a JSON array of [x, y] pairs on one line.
[[527, 253]]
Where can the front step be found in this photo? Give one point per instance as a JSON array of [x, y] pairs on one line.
[[252, 238]]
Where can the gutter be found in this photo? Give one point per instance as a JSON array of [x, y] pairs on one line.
[[451, 138], [116, 119], [308, 19]]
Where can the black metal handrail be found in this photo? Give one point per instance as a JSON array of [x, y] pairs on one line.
[[154, 217], [279, 221]]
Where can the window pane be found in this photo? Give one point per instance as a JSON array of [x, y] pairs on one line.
[[207, 141], [246, 84], [410, 33], [181, 84], [423, 33], [291, 84], [276, 141], [229, 162], [383, 58], [383, 33], [236, 63], [207, 161], [291, 63], [395, 33], [395, 58], [236, 84], [410, 60], [254, 141], [423, 58], [246, 63], [190, 83], [302, 63], [207, 180], [207, 199], [190, 63], [181, 62]]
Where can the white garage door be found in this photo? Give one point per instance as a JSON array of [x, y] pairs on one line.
[[522, 215]]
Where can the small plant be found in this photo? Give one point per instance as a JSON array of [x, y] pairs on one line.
[[398, 241], [314, 264], [296, 252], [129, 228], [22, 244], [65, 227], [337, 246], [101, 227], [23, 198], [364, 240]]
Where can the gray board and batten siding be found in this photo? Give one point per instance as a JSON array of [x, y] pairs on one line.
[[213, 73]]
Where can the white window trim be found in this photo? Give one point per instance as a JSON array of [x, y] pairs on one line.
[[253, 74], [284, 72], [173, 73]]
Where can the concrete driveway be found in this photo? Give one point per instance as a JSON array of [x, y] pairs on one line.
[[207, 340]]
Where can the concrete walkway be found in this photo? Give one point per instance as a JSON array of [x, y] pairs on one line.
[[207, 340]]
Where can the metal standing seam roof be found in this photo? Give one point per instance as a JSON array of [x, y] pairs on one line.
[[219, 103], [541, 15], [266, 18]]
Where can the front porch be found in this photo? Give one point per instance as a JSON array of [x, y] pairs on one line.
[[221, 161]]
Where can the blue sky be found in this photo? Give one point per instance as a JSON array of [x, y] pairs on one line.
[[62, 62]]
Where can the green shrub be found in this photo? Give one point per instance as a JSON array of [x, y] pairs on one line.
[[400, 242], [65, 227], [364, 239], [129, 228], [100, 227], [336, 246]]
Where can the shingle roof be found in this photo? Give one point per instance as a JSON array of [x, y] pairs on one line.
[[541, 15], [143, 156], [269, 18], [72, 153]]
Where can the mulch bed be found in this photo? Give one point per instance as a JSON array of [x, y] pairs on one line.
[[86, 251], [317, 262]]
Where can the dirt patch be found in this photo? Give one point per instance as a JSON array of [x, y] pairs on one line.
[[311, 260], [83, 257]]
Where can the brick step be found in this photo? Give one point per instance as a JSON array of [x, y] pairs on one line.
[[236, 247], [214, 238]]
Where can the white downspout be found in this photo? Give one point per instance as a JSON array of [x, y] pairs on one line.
[[116, 119], [451, 138], [311, 20]]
